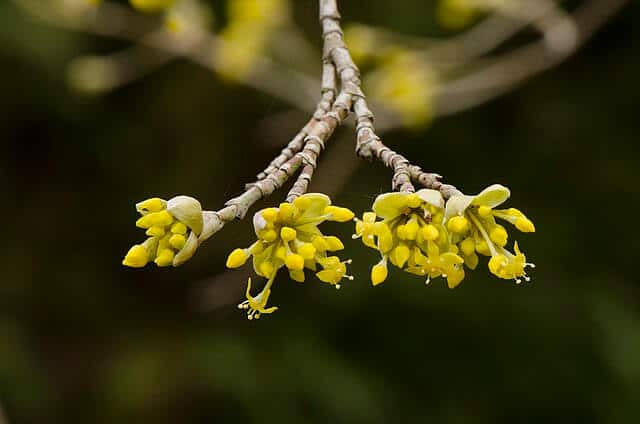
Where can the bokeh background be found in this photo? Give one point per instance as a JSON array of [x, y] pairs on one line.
[[83, 339]]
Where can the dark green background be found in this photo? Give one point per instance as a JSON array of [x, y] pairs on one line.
[[83, 339]]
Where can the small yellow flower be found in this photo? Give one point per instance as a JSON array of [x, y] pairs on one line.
[[483, 235], [173, 228], [411, 236], [288, 237]]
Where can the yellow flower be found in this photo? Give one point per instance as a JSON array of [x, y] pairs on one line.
[[411, 236], [173, 228], [256, 306], [471, 220], [288, 236]]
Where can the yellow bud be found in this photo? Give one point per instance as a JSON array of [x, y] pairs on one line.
[[320, 244], [281, 252], [237, 258], [155, 231], [297, 275], [458, 224], [151, 205], [401, 231], [453, 249], [266, 268], [468, 246], [269, 236], [498, 235], [411, 230], [136, 257], [334, 243], [413, 200], [302, 203], [160, 219], [178, 241], [288, 233], [307, 250], [270, 214], [525, 225], [165, 257], [483, 248], [294, 262], [385, 242], [285, 214], [379, 273], [484, 211], [339, 214], [402, 254], [179, 228], [418, 257], [496, 263], [430, 232]]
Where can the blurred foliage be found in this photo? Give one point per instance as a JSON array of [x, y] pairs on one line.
[[83, 339]]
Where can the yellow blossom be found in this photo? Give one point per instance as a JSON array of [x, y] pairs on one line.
[[289, 237], [411, 236], [173, 228], [484, 235]]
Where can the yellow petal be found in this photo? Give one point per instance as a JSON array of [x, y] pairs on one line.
[[390, 205], [492, 196]]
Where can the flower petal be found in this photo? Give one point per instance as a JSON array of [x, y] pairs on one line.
[[390, 205], [492, 196], [433, 197], [188, 210], [456, 205], [318, 203]]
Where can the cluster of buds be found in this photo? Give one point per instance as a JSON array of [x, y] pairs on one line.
[[289, 237], [173, 228], [422, 235]]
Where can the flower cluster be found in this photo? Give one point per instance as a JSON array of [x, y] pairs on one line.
[[173, 228], [419, 234], [472, 223], [411, 235], [288, 236]]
